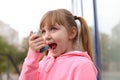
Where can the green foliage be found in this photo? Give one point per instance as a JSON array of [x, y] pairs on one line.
[[110, 47], [6, 50], [2, 64]]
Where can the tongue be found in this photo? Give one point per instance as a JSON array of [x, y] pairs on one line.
[[53, 45]]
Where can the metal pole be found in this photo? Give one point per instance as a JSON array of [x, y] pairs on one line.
[[73, 6], [96, 43], [81, 8]]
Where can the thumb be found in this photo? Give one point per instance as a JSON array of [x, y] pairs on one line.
[[31, 32]]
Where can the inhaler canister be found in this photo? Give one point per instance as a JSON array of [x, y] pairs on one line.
[[44, 48]]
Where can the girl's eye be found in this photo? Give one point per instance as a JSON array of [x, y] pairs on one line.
[[53, 29], [43, 32]]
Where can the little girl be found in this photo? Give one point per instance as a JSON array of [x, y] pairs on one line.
[[69, 55]]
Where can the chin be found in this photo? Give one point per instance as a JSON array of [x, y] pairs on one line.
[[55, 55]]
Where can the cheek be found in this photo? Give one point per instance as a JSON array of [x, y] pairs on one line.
[[61, 38], [62, 43]]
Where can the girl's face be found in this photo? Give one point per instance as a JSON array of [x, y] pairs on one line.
[[57, 38]]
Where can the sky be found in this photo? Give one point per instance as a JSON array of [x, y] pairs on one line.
[[24, 15], [108, 14]]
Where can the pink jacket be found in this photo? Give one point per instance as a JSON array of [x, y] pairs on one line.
[[74, 65]]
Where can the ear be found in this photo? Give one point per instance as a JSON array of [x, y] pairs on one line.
[[73, 33]]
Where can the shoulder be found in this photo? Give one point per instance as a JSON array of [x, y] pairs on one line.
[[81, 61], [85, 65]]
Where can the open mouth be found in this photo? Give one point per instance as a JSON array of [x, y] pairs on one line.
[[53, 45]]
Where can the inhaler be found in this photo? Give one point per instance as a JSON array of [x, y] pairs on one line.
[[44, 48]]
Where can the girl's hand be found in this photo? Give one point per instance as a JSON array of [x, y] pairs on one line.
[[36, 42]]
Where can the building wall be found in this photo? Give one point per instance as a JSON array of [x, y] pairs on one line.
[[8, 33]]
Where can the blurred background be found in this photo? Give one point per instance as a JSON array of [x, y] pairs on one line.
[[19, 17]]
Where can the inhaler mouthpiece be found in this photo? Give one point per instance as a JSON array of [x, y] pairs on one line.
[[44, 49]]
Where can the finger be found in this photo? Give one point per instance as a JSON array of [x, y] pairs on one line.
[[38, 48], [31, 32], [36, 42], [33, 36], [39, 39], [40, 43]]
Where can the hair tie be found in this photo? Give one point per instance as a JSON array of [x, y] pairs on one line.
[[75, 17]]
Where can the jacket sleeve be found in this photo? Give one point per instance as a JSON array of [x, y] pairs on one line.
[[30, 66], [86, 72]]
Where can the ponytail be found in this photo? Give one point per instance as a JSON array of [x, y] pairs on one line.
[[84, 36]]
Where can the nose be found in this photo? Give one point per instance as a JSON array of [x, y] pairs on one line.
[[47, 36]]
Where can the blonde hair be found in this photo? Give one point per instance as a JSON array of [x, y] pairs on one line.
[[65, 18]]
